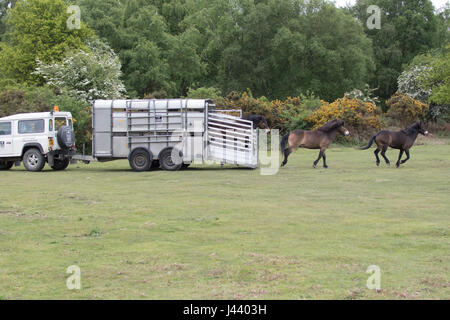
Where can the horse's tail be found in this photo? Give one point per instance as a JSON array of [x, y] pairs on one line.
[[283, 142], [370, 143]]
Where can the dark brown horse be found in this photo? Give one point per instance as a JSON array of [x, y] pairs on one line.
[[402, 140], [320, 138], [258, 121]]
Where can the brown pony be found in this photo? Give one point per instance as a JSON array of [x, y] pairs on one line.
[[402, 140], [320, 138]]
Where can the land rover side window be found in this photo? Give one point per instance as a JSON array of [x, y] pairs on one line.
[[5, 128], [70, 123], [31, 126], [50, 125], [59, 122]]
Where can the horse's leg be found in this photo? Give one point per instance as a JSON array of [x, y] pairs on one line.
[[324, 157], [376, 152], [287, 152], [320, 156], [383, 154], [407, 156], [399, 158]]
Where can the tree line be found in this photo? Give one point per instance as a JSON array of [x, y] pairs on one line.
[[275, 48]]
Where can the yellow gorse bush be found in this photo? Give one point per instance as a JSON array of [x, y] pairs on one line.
[[362, 118], [405, 109]]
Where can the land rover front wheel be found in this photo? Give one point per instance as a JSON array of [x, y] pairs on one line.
[[59, 165], [6, 165], [33, 160]]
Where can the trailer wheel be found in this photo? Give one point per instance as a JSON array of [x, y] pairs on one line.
[[6, 165], [33, 160], [166, 161], [59, 165], [140, 160]]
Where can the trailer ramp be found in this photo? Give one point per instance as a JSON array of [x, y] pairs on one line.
[[231, 140]]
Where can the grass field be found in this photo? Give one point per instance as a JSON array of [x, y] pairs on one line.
[[212, 233]]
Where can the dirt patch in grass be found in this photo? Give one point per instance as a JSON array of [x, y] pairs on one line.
[[24, 215], [273, 260]]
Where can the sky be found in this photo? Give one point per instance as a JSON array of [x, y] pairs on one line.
[[437, 3]]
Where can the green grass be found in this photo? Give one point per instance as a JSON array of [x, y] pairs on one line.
[[212, 233]]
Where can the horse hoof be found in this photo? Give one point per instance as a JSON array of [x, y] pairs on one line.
[[325, 167], [314, 166], [378, 164], [397, 165]]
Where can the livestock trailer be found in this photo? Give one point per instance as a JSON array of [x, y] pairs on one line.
[[170, 133]]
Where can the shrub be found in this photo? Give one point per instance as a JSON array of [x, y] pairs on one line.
[[42, 99], [405, 109], [14, 100], [366, 95], [160, 94], [361, 118], [82, 119], [283, 115], [310, 101], [205, 93], [438, 112]]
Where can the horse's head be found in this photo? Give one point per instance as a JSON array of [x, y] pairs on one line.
[[262, 124], [421, 128], [259, 122], [342, 130]]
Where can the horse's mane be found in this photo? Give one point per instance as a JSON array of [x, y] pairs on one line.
[[412, 127], [253, 116], [331, 125]]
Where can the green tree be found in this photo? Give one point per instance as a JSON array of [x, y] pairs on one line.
[[37, 29], [427, 79], [278, 47], [408, 28], [443, 18], [157, 50], [5, 5], [439, 79]]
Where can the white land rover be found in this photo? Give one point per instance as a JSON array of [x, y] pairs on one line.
[[36, 138]]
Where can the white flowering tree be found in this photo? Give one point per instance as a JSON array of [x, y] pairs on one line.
[[366, 95], [86, 75], [410, 82]]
